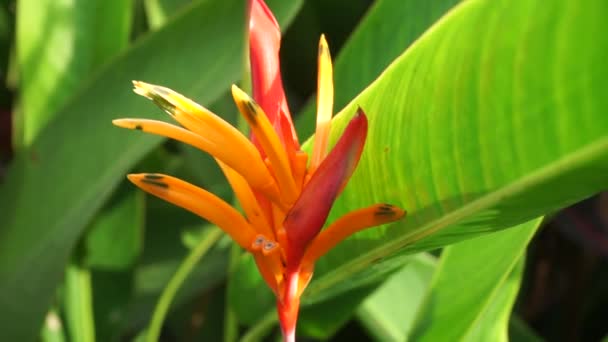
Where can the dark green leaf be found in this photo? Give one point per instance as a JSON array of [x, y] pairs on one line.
[[52, 191], [519, 331], [115, 239]]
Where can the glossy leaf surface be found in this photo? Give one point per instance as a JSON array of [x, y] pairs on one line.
[[475, 130]]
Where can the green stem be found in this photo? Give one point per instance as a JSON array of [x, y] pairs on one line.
[[231, 326], [261, 328], [184, 269], [79, 302], [52, 330]]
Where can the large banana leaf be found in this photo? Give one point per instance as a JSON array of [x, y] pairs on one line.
[[473, 290], [496, 115], [88, 157]]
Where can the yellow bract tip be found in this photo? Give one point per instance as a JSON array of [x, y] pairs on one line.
[[123, 123], [270, 142], [325, 103], [142, 88], [323, 41]]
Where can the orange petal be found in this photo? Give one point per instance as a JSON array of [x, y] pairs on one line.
[[248, 202], [200, 202], [348, 225], [300, 162], [266, 270], [270, 141], [308, 214], [278, 216], [240, 154]]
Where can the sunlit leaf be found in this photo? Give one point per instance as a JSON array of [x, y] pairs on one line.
[[474, 288], [60, 44], [474, 130]]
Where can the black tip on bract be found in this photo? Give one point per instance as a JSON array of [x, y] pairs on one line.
[[360, 112]]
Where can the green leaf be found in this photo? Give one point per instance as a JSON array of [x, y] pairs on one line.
[[159, 11], [475, 130], [519, 331], [493, 324], [322, 320], [249, 296], [163, 253], [387, 29], [52, 330], [115, 239], [88, 157], [7, 38], [111, 24], [177, 280], [112, 298], [474, 287], [59, 45], [78, 302], [389, 312]]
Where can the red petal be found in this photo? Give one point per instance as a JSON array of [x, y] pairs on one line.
[[264, 45], [308, 214]]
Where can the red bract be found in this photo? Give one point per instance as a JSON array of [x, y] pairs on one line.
[[285, 195], [264, 46]]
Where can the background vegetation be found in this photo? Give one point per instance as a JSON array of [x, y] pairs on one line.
[[487, 119]]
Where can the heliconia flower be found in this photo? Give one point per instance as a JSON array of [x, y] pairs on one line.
[[285, 195]]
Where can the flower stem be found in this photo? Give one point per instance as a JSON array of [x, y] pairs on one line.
[[184, 269], [230, 319], [261, 328]]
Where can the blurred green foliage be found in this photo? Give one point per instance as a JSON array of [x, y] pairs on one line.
[[485, 116]]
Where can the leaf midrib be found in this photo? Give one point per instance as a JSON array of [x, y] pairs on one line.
[[544, 174]]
